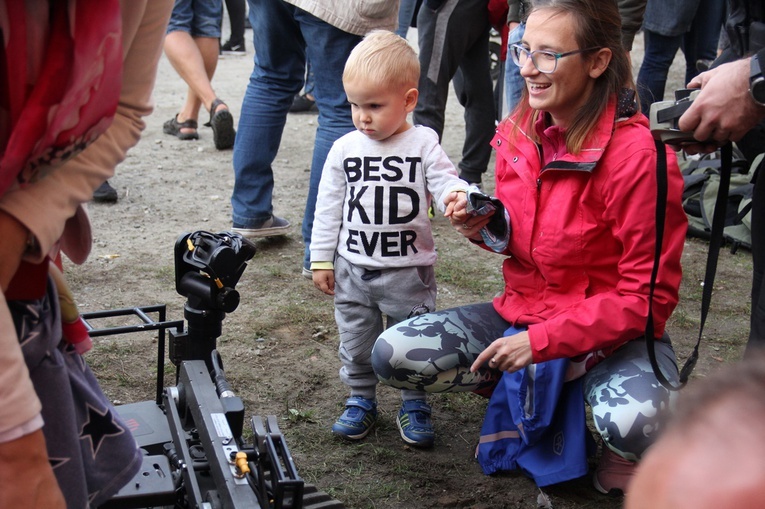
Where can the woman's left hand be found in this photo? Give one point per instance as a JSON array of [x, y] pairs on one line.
[[510, 354], [456, 212]]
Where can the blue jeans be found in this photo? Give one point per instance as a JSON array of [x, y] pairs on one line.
[[700, 42], [310, 79], [514, 82], [405, 15], [280, 32], [199, 18]]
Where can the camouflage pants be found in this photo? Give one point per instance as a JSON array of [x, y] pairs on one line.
[[433, 353]]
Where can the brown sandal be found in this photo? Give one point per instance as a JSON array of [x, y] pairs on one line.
[[174, 127]]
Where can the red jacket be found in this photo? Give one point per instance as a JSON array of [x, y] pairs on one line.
[[583, 235]]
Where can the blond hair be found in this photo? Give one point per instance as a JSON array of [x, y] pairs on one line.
[[384, 58]]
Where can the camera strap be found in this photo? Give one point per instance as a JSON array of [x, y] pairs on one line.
[[715, 242]]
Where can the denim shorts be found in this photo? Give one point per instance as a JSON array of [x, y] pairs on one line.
[[199, 18]]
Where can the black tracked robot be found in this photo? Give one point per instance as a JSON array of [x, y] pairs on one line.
[[195, 456]]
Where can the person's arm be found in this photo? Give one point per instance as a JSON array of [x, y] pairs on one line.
[[44, 206], [448, 190], [24, 465], [440, 175], [327, 221], [26, 477], [15, 236], [465, 224], [25, 472], [323, 277], [632, 19]]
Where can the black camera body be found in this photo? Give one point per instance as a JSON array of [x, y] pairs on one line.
[[664, 116]]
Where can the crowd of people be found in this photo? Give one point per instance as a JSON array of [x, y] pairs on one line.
[[574, 175]]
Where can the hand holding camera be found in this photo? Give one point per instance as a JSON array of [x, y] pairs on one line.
[[724, 110], [664, 117]]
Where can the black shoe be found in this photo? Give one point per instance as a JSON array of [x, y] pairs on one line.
[[703, 64], [105, 194], [222, 123], [233, 48], [302, 104]]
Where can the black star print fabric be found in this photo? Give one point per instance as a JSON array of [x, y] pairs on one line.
[[91, 450]]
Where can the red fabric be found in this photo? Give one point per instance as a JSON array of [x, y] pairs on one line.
[[76, 334], [505, 35], [29, 282], [583, 240], [498, 10], [57, 93]]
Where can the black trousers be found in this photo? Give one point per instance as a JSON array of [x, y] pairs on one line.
[[454, 45], [757, 319]]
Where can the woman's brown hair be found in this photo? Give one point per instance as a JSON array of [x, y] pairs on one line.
[[598, 25]]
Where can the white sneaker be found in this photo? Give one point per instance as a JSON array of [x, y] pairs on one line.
[[270, 228]]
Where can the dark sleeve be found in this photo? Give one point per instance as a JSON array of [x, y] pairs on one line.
[[631, 12], [434, 4]]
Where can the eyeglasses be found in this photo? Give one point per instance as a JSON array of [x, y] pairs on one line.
[[545, 61]]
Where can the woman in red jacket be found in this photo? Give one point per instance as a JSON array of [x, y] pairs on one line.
[[575, 172]]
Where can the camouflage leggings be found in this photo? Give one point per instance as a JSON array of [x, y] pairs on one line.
[[433, 353]]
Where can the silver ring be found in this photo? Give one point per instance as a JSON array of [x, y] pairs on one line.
[[465, 226]]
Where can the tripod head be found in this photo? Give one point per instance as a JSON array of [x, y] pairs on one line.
[[207, 268]]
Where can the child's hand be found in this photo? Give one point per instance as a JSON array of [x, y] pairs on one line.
[[456, 210], [324, 280], [456, 206]]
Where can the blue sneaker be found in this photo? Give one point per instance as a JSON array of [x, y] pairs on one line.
[[414, 423], [358, 418]]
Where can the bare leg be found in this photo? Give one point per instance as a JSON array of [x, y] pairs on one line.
[[195, 60]]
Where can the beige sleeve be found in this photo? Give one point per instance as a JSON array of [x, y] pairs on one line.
[[44, 206], [18, 400]]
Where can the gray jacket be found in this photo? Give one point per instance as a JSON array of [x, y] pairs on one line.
[[357, 17], [632, 19], [670, 18], [519, 9]]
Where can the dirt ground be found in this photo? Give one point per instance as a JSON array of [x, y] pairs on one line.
[[279, 347]]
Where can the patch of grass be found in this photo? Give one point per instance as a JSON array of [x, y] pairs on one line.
[[295, 415], [681, 319], [163, 273], [474, 279], [374, 492]]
